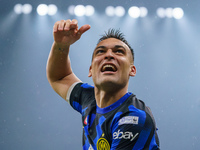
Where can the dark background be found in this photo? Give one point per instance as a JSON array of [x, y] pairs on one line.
[[167, 58]]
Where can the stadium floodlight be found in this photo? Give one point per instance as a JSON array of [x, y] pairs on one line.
[[119, 11], [143, 11], [178, 13], [18, 8], [79, 10], [52, 9], [26, 8], [71, 9], [161, 12], [89, 10], [42, 9], [110, 11], [134, 12], [169, 12]]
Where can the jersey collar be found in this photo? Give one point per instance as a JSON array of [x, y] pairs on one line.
[[114, 105]]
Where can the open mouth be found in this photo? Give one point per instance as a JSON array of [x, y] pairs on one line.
[[108, 67]]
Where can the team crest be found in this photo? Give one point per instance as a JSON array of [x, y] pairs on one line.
[[102, 144]]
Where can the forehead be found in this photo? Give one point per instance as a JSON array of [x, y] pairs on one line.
[[111, 42]]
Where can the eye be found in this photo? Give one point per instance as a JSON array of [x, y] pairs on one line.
[[120, 51], [100, 51]]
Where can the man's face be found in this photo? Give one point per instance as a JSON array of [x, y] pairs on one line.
[[112, 64]]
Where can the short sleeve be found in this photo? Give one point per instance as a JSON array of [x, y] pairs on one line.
[[79, 95], [70, 91]]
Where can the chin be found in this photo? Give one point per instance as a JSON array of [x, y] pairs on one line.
[[110, 84]]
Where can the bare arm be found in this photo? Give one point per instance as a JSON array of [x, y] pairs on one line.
[[59, 72]]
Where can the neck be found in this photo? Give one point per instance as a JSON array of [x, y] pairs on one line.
[[105, 98]]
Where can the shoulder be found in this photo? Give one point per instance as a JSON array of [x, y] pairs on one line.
[[139, 104], [133, 104], [133, 112], [78, 87], [80, 95], [133, 124]]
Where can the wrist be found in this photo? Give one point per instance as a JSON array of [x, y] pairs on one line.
[[61, 48], [61, 45]]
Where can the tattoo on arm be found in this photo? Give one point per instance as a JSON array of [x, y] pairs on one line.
[[61, 49]]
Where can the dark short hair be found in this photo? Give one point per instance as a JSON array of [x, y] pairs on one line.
[[116, 33]]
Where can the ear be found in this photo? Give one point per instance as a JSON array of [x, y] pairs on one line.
[[90, 72], [132, 71]]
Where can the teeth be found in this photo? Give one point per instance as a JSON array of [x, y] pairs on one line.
[[108, 67]]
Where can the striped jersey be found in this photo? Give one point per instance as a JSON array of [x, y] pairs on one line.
[[127, 124]]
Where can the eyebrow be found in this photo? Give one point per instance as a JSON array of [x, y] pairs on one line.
[[99, 47], [116, 46]]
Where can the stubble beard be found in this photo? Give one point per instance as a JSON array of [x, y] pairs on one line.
[[110, 86]]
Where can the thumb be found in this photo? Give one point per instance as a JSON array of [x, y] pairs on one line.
[[83, 29]]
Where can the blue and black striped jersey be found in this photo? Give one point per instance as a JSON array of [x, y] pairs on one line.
[[125, 125]]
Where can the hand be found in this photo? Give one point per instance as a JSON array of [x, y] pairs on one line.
[[66, 32]]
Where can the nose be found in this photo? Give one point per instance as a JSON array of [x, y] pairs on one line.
[[109, 54]]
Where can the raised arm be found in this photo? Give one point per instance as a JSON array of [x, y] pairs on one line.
[[59, 72]]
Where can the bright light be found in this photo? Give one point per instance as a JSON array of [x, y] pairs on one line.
[[178, 13], [26, 8], [161, 12], [18, 8], [134, 12], [143, 11], [89, 10], [79, 10], [52, 9], [119, 11], [168, 12], [71, 9], [110, 11], [42, 9]]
